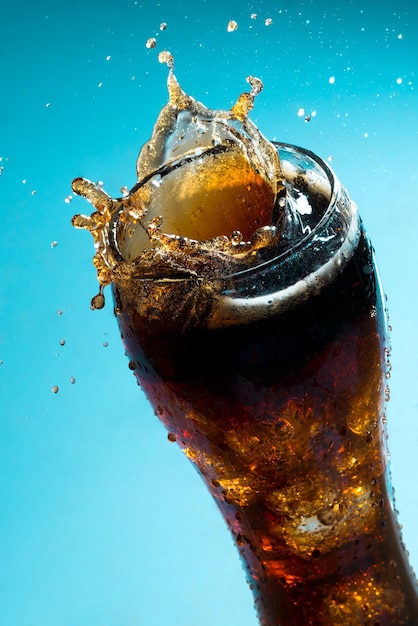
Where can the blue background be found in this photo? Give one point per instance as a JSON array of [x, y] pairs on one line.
[[102, 521]]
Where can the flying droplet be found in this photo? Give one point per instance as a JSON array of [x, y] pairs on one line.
[[268, 21], [62, 342], [331, 80], [72, 380], [399, 81], [105, 344], [68, 199], [301, 112], [98, 301], [54, 389], [253, 16], [33, 192], [54, 244], [124, 191], [171, 437], [163, 26], [59, 312], [232, 25], [48, 104], [108, 57], [151, 42]]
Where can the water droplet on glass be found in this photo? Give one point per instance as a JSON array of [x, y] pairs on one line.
[[232, 25], [54, 389], [151, 42]]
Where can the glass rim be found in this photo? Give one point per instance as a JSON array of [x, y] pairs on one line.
[[168, 168]]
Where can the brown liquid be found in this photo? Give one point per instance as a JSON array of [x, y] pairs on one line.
[[274, 390], [283, 418]]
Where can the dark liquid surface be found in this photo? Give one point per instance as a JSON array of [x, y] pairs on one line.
[[283, 419]]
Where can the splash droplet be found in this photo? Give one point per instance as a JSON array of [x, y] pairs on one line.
[[72, 380], [151, 42], [59, 312], [54, 244], [54, 389], [163, 26], [62, 342], [108, 57], [232, 25], [268, 21], [98, 301], [105, 344]]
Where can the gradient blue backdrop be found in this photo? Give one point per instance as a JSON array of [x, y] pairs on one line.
[[102, 521]]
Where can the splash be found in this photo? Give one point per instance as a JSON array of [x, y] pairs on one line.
[[210, 195]]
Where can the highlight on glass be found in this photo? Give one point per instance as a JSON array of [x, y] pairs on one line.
[[249, 303]]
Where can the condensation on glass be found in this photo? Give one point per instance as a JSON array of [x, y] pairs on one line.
[[250, 306]]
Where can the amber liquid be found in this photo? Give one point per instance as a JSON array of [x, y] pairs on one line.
[[284, 419]]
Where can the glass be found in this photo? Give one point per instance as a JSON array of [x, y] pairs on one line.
[[273, 382]]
